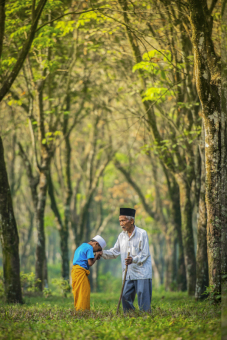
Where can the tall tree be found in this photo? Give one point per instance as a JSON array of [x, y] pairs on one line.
[[9, 237], [202, 279], [208, 82]]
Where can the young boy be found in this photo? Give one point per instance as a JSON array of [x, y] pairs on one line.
[[83, 259]]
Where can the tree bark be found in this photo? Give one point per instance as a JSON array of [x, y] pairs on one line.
[[170, 278], [176, 217], [174, 193], [9, 238], [224, 163], [40, 248], [62, 233], [202, 280], [187, 233], [68, 196], [208, 82]]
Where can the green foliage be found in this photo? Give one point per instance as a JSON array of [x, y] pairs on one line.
[[62, 285], [210, 294], [29, 283], [174, 316], [109, 283], [157, 94], [47, 292]]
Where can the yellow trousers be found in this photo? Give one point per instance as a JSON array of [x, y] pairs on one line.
[[81, 288]]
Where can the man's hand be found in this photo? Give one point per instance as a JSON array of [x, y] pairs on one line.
[[128, 260]]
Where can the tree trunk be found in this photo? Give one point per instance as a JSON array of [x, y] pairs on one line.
[[64, 234], [202, 280], [176, 217], [62, 231], [45, 273], [26, 243], [208, 82], [40, 248], [224, 162], [68, 196], [187, 233], [9, 237], [170, 279]]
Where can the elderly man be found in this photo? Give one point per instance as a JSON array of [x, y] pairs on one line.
[[139, 276]]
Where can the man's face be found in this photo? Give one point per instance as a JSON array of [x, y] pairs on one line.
[[126, 224]]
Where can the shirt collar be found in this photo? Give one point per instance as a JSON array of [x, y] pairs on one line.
[[133, 233]]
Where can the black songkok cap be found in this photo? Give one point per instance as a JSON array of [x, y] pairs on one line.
[[127, 212]]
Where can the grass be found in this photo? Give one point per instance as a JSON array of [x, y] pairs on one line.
[[174, 317]]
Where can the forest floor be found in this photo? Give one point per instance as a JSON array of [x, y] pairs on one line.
[[174, 317]]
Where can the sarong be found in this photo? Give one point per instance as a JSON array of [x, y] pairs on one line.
[[81, 287]]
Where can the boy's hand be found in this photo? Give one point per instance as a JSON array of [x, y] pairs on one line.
[[98, 255]]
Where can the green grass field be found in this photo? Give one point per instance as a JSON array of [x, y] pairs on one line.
[[174, 317]]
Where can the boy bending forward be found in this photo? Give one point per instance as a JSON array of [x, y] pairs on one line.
[[83, 259]]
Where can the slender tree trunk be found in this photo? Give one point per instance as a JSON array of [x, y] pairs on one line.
[[62, 232], [9, 237], [54, 248], [156, 279], [187, 233], [68, 197], [24, 252], [176, 217], [40, 210], [202, 280], [46, 150], [169, 272], [46, 272]]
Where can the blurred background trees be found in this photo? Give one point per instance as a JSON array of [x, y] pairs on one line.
[[106, 111]]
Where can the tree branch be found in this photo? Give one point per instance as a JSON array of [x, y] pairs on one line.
[[128, 177], [23, 53], [105, 222]]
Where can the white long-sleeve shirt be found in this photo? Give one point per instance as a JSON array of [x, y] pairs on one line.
[[138, 246]]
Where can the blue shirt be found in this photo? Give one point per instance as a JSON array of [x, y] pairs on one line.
[[82, 254]]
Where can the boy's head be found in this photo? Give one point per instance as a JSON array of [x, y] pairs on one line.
[[98, 243]]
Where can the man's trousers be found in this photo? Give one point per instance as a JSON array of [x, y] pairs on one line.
[[143, 289]]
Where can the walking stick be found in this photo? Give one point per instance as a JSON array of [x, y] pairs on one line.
[[122, 288]]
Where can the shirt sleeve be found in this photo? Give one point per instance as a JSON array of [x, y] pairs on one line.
[[144, 252], [90, 253], [112, 253]]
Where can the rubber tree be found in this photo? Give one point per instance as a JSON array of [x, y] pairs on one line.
[[208, 82], [9, 237], [224, 110], [202, 280]]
